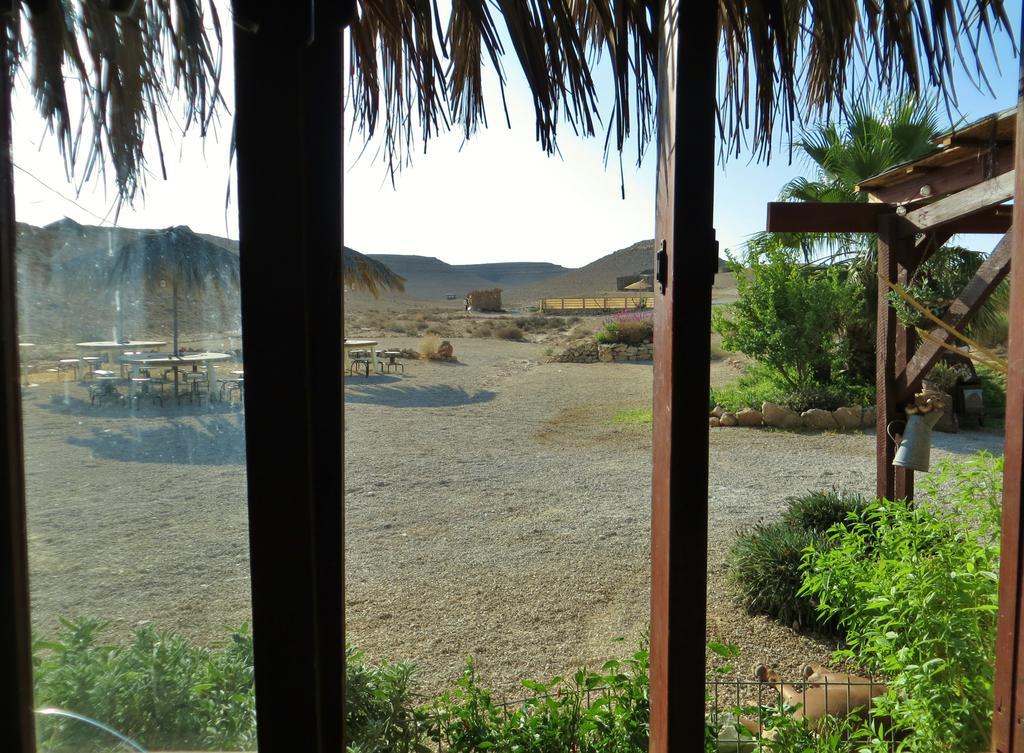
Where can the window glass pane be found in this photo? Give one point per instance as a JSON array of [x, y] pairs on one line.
[[135, 459]]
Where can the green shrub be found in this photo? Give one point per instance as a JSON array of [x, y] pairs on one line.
[[508, 333], [587, 713], [819, 511], [789, 316], [827, 397], [915, 588], [379, 716], [169, 694], [764, 564], [758, 384], [608, 334], [159, 689]]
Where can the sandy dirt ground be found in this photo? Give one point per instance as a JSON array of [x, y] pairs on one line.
[[494, 508]]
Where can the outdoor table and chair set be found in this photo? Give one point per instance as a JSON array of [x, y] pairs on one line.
[[144, 375], [363, 356]]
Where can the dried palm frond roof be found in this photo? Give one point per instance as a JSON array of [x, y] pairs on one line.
[[412, 73], [360, 272]]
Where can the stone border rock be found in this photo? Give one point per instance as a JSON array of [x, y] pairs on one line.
[[776, 416]]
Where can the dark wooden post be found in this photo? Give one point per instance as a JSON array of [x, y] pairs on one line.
[[289, 136], [1008, 719], [894, 344], [687, 261], [16, 729]]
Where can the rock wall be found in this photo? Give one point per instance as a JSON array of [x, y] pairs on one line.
[[589, 351], [781, 417]]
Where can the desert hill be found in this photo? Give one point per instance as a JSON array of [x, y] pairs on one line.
[[432, 279], [515, 274], [597, 277]]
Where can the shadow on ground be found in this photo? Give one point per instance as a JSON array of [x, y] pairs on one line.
[[411, 396], [215, 441], [115, 409]]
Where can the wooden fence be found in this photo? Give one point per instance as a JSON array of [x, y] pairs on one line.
[[615, 303]]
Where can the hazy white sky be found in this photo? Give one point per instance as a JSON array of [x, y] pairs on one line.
[[497, 197]]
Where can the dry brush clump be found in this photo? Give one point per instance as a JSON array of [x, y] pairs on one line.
[[429, 346], [508, 333]]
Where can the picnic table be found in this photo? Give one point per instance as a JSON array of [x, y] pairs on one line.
[[142, 360], [356, 345], [113, 349]]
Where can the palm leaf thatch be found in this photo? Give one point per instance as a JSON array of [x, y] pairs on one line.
[[177, 258], [360, 272], [414, 73]]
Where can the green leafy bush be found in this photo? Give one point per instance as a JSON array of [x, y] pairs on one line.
[[159, 689], [764, 564], [379, 716], [169, 694], [757, 385], [915, 588], [820, 511], [827, 396], [608, 334], [789, 316], [760, 384], [587, 713]]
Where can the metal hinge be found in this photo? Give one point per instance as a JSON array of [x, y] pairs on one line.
[[662, 276]]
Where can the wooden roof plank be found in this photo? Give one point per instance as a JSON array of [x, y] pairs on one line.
[[926, 181], [969, 200]]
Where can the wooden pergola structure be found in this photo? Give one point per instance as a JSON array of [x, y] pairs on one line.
[[915, 208]]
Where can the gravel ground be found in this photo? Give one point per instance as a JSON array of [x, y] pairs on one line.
[[494, 509]]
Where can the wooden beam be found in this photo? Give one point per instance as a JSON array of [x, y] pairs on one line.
[[949, 179], [970, 200], [891, 357], [16, 723], [832, 217], [863, 217], [687, 69], [1008, 716], [961, 312]]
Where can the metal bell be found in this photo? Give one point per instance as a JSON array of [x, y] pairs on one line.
[[915, 449]]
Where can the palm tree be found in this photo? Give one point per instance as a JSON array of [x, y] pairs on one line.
[[875, 137], [414, 71]]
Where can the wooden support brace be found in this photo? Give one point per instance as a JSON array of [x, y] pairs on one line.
[[992, 272], [951, 208]]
